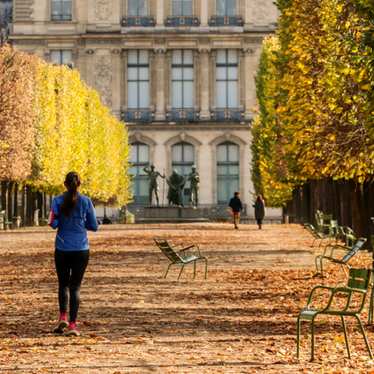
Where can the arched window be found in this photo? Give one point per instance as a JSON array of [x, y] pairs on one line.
[[183, 158], [227, 171], [140, 160]]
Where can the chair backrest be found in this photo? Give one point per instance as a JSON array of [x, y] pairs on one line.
[[359, 278], [355, 248], [167, 250]]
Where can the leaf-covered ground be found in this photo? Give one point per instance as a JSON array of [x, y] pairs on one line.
[[241, 320]]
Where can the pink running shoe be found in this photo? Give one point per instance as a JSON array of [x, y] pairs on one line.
[[61, 326], [72, 330]]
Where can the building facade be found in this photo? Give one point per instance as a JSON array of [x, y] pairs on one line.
[[180, 73]]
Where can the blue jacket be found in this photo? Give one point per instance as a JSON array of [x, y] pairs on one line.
[[72, 230]]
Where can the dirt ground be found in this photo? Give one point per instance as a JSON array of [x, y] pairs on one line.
[[240, 320]]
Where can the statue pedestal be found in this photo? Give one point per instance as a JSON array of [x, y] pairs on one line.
[[174, 214]]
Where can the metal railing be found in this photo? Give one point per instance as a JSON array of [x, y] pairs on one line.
[[137, 115], [138, 21], [177, 21], [226, 21]]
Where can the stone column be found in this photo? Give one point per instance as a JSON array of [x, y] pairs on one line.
[[116, 82], [204, 84], [204, 13], [248, 12], [160, 13], [250, 68], [160, 83]]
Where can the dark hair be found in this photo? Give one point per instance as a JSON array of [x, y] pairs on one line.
[[72, 182], [260, 198], [236, 194]]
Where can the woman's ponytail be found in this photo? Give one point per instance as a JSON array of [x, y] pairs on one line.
[[72, 182]]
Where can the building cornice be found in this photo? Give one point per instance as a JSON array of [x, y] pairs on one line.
[[208, 126]]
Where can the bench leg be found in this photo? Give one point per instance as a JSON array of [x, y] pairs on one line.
[[346, 337], [194, 269], [180, 273], [365, 338]]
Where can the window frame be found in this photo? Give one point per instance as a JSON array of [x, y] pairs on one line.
[[183, 67], [137, 15], [225, 178], [61, 52], [138, 66], [181, 3], [226, 9], [138, 178], [227, 65], [183, 165], [61, 17]]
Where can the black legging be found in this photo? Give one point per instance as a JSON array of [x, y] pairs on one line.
[[70, 268]]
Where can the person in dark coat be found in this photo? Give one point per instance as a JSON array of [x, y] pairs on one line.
[[236, 208], [259, 210]]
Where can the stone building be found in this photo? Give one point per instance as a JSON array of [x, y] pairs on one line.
[[180, 73]]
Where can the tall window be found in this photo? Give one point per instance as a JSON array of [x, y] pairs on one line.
[[183, 158], [137, 8], [138, 80], [61, 10], [140, 160], [182, 79], [227, 79], [182, 7], [226, 7], [61, 57], [227, 171]]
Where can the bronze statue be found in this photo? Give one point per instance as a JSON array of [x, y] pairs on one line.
[[176, 184], [194, 179], [153, 184]]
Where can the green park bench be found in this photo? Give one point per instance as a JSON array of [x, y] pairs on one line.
[[354, 301], [338, 254], [181, 256]]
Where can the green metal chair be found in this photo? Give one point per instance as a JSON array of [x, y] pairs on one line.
[[329, 231], [180, 256], [358, 284], [330, 254]]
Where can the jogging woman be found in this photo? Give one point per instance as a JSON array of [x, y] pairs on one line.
[[72, 214]]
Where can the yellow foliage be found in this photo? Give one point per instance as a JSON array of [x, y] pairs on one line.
[[72, 130]]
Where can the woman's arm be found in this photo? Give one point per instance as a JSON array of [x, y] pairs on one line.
[[91, 221], [53, 215]]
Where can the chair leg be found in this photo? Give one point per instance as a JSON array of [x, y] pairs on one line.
[[180, 273], [167, 270], [365, 338], [316, 263], [298, 325], [194, 269], [371, 306], [312, 341], [346, 337], [206, 267]]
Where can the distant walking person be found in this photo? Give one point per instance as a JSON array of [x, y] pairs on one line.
[[72, 214], [259, 210], [236, 208]]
